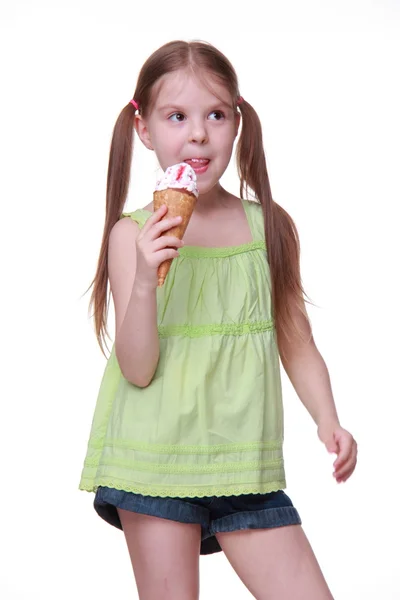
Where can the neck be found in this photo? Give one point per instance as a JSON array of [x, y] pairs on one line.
[[214, 198]]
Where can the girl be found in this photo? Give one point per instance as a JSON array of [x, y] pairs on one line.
[[185, 451]]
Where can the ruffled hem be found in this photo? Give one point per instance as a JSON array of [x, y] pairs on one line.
[[182, 491]]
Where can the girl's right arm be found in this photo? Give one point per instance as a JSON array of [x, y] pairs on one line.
[[133, 259]]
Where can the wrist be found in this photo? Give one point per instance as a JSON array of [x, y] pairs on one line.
[[143, 289], [328, 421]]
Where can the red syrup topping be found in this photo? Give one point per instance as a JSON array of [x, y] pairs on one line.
[[180, 173]]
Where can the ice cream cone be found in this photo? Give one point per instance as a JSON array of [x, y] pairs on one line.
[[180, 203], [178, 190]]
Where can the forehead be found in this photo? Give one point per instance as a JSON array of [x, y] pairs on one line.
[[184, 86]]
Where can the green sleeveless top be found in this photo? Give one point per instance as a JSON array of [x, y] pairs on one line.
[[211, 421]]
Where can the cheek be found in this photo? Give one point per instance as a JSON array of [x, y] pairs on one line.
[[226, 139], [226, 148], [169, 141], [166, 148]]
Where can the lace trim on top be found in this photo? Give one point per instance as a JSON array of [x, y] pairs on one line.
[[194, 331], [185, 491]]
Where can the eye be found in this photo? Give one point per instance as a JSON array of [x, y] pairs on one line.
[[218, 115], [179, 117]]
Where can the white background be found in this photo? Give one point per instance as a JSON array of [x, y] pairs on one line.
[[324, 78]]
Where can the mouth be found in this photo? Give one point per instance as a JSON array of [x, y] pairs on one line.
[[199, 165]]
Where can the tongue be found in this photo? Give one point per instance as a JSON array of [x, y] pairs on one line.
[[197, 163]]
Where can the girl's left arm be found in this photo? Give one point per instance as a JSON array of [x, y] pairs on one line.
[[309, 376]]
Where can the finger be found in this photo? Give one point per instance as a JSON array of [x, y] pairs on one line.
[[345, 446], [348, 467], [167, 241], [351, 465], [166, 254], [158, 229], [155, 217], [347, 475], [162, 226], [332, 447]]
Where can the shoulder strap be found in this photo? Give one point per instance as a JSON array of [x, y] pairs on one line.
[[140, 216], [255, 218]]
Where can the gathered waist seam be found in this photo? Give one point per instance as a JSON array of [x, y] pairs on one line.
[[215, 329]]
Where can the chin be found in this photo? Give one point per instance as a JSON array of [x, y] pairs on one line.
[[205, 189]]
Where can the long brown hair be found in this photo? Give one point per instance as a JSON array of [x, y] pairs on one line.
[[283, 249]]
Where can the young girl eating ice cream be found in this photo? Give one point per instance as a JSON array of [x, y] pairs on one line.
[[185, 451]]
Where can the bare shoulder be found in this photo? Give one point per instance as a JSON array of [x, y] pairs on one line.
[[124, 228]]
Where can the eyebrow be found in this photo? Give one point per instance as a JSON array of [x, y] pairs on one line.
[[178, 107], [167, 106]]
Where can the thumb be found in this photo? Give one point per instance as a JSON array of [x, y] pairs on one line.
[[332, 445]]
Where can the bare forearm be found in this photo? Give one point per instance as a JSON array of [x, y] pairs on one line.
[[309, 376], [137, 343]]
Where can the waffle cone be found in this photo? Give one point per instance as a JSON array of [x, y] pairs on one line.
[[180, 203]]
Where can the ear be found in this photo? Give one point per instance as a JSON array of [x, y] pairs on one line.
[[143, 132], [238, 117]]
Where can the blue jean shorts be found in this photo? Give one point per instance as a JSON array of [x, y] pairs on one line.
[[214, 514]]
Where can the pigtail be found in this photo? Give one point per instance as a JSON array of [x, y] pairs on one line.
[[282, 240], [118, 177]]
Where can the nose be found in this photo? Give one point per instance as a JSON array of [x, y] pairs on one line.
[[198, 133]]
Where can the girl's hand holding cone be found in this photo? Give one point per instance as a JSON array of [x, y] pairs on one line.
[[178, 190], [154, 246]]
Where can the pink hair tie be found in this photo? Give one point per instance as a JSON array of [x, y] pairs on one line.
[[239, 100], [135, 104]]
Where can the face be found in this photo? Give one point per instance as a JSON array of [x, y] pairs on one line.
[[188, 123]]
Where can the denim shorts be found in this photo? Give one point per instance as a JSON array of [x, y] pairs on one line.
[[214, 514]]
